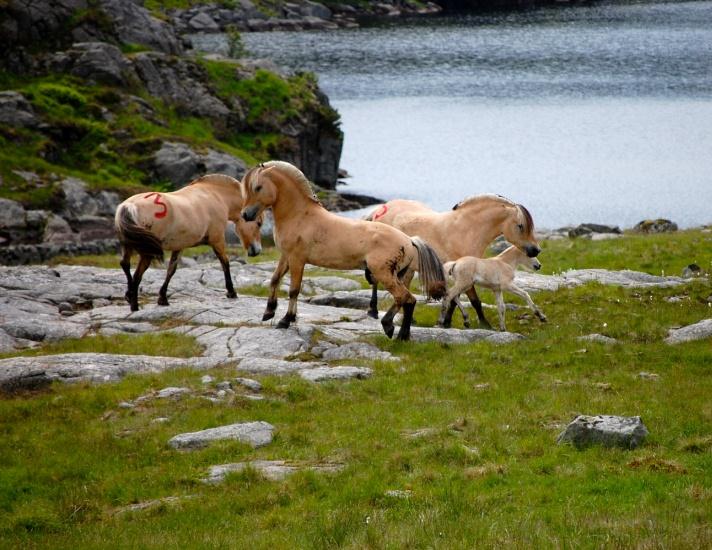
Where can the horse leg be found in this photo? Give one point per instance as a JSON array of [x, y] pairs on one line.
[[219, 249], [501, 308], [465, 316], [125, 264], [172, 265], [525, 295], [408, 309], [142, 266], [279, 272], [373, 304], [296, 271], [401, 296], [448, 306], [477, 304]]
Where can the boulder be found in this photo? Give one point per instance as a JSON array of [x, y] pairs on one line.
[[587, 229], [659, 225], [256, 434], [355, 350], [597, 338], [627, 432], [691, 271], [202, 22], [100, 62], [77, 202], [12, 215], [320, 374], [176, 162], [223, 163], [273, 470], [16, 111], [58, 230], [314, 9], [697, 331]]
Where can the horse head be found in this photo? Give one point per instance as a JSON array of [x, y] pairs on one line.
[[250, 234], [258, 192], [518, 229]]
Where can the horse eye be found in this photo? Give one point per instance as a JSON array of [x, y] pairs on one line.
[[521, 227], [259, 224], [258, 189]]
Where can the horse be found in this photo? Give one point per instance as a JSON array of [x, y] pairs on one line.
[[466, 230], [305, 232], [149, 223], [495, 273]]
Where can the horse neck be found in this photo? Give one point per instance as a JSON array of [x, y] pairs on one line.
[[511, 256], [291, 201], [481, 223]]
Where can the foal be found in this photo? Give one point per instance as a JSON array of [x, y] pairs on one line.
[[496, 273]]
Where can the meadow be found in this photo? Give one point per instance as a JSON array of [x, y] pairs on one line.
[[453, 446]]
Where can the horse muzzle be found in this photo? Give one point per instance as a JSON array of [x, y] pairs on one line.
[[536, 266], [532, 251], [254, 250], [249, 214]]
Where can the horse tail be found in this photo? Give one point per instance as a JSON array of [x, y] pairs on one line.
[[133, 236], [449, 268], [430, 268]]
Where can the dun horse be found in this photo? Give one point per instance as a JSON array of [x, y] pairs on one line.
[[149, 223], [306, 232], [466, 230], [496, 273]]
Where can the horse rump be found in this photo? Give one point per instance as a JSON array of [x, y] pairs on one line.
[[430, 269], [134, 237]]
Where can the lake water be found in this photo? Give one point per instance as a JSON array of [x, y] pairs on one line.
[[583, 114]]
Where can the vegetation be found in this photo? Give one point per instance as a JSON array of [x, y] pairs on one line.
[[486, 472]]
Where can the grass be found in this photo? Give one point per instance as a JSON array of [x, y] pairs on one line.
[[488, 474]]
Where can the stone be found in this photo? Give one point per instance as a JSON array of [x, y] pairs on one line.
[[217, 162], [226, 385], [172, 392], [249, 383], [399, 493], [100, 62], [356, 350], [314, 9], [273, 470], [648, 375], [255, 434], [691, 271], [659, 225], [202, 22], [176, 163], [598, 338], [16, 111], [627, 432], [334, 283], [696, 331], [320, 374], [207, 379], [58, 230], [133, 24], [77, 202], [12, 214], [588, 229]]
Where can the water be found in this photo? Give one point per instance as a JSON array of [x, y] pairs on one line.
[[583, 114]]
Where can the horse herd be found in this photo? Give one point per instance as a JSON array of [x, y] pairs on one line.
[[397, 239]]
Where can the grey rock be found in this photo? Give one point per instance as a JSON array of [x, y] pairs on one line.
[[58, 230], [273, 367], [356, 350], [648, 376], [223, 163], [77, 202], [333, 283], [172, 392], [598, 338], [133, 24], [99, 62], [659, 225], [314, 9], [591, 228], [273, 470], [226, 385], [605, 236], [399, 493], [691, 271], [320, 374], [16, 111], [12, 214], [176, 162], [610, 431], [249, 383], [256, 434], [202, 22], [151, 504], [23, 372], [106, 203], [696, 331], [207, 379]]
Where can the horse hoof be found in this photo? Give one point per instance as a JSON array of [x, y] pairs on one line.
[[404, 337], [466, 324], [389, 330], [134, 308], [543, 319], [268, 315], [283, 324], [373, 314], [163, 302], [231, 295]]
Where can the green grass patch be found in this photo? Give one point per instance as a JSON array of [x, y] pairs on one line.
[[487, 473]]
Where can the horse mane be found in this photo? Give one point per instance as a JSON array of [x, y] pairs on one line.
[[297, 175], [526, 215]]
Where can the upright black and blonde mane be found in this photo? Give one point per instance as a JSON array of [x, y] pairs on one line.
[[291, 171], [527, 220]]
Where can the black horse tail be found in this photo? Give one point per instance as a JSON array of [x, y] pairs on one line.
[[134, 237], [430, 269]]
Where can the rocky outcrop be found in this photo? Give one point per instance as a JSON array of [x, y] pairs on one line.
[[16, 111], [255, 434], [179, 164], [696, 331], [659, 225]]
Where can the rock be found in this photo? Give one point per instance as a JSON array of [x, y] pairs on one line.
[[605, 236], [697, 331], [150, 504], [207, 379], [172, 392], [419, 433], [356, 350], [99, 62], [31, 372], [627, 432], [334, 283], [648, 376], [347, 299], [598, 338], [591, 228], [77, 202], [249, 383], [12, 214], [691, 271], [659, 225], [176, 162], [320, 374], [133, 24], [314, 9], [106, 203], [223, 163], [16, 111], [58, 230], [399, 493], [256, 434], [202, 22], [226, 385], [273, 470]]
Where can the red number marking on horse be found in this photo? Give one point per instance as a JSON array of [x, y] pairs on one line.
[[381, 212], [157, 200]]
